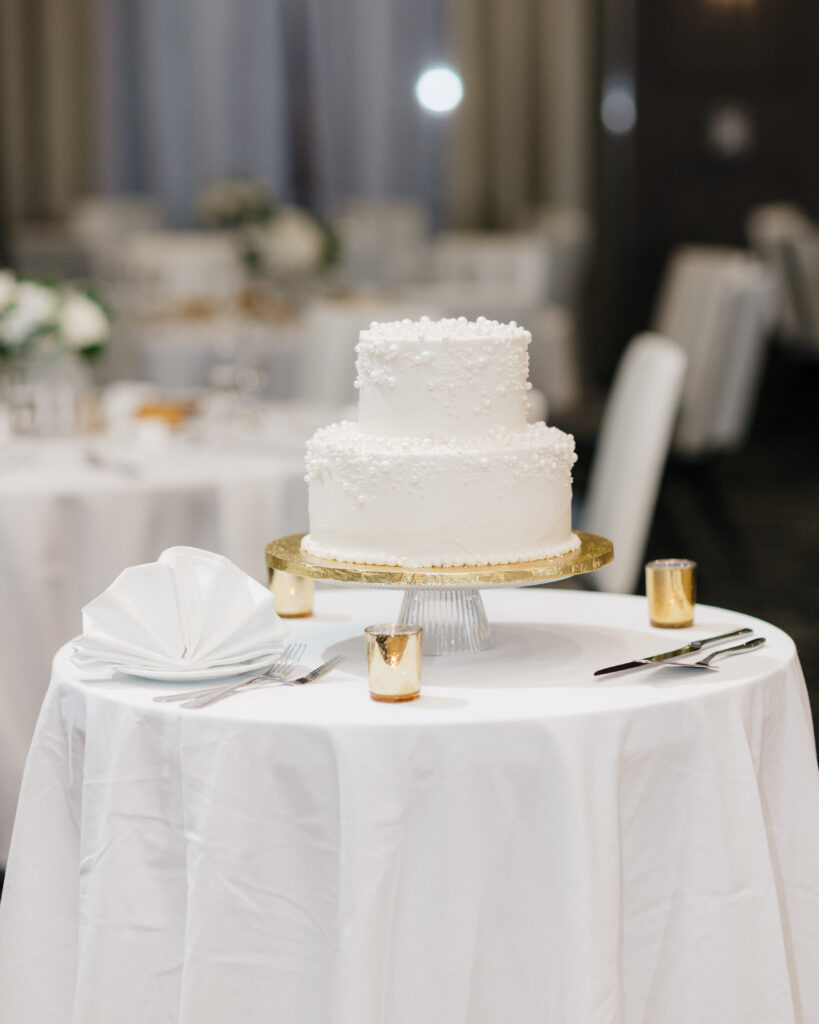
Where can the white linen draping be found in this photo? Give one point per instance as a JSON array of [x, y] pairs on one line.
[[524, 843], [67, 528]]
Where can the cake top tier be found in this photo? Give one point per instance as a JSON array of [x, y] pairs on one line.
[[442, 378], [451, 329]]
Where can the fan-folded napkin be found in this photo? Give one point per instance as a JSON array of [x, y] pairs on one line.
[[191, 609]]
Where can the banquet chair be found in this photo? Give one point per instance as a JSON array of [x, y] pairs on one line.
[[100, 223], [382, 241], [719, 304], [567, 234], [515, 263], [788, 241], [630, 454]]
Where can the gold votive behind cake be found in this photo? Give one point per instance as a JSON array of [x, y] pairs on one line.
[[394, 662], [292, 595], [671, 589]]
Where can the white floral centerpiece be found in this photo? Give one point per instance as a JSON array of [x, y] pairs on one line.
[[48, 334], [284, 247], [58, 316], [83, 323], [293, 243]]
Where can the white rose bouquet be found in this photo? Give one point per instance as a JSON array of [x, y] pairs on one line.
[[62, 315], [235, 203]]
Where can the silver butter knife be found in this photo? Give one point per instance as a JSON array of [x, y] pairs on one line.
[[695, 645]]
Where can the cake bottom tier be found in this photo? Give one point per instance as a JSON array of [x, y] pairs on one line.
[[393, 501]]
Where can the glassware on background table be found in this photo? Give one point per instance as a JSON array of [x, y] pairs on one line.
[[394, 662], [292, 595], [671, 589]]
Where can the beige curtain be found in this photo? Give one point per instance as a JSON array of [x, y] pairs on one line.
[[45, 109], [522, 135]]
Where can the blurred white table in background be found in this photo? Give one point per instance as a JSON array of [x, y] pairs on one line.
[[207, 352], [75, 512], [525, 844]]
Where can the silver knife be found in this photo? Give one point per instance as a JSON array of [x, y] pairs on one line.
[[695, 645]]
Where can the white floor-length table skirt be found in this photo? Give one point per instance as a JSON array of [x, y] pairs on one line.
[[525, 843], [69, 527]]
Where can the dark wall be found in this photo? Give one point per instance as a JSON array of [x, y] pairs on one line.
[[727, 95]]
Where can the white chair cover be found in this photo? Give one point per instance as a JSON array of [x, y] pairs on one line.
[[719, 304], [785, 237], [630, 454], [568, 235]]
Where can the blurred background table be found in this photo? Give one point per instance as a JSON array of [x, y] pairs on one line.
[[76, 511], [523, 843]]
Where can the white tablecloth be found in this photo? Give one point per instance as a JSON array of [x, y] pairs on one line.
[[68, 528], [523, 844]]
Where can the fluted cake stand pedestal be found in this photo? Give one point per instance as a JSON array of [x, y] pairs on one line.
[[445, 602]]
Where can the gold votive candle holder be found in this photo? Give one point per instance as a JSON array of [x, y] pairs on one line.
[[394, 662], [292, 595], [671, 589]]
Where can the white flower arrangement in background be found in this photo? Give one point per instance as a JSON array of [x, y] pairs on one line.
[[235, 203], [277, 240], [63, 315], [293, 242], [83, 324]]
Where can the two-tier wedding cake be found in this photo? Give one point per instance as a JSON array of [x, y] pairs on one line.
[[442, 468]]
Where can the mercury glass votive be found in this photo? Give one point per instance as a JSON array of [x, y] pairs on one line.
[[394, 662], [292, 595], [671, 589]]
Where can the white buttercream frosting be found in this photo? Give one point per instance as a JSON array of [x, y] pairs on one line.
[[442, 468]]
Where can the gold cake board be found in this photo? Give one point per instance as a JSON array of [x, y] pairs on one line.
[[594, 552], [445, 602]]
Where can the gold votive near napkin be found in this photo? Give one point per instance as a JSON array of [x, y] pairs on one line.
[[292, 595], [394, 662], [671, 589]]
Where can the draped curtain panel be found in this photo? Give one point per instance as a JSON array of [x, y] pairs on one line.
[[369, 135], [315, 96], [522, 136], [190, 91], [46, 124]]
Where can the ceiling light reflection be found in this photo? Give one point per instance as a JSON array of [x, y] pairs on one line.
[[439, 90]]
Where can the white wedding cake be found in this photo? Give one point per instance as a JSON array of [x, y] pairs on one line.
[[442, 468]]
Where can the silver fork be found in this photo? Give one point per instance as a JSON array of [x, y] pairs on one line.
[[705, 663], [280, 667], [226, 691]]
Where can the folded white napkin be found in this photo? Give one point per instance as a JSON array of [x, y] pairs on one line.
[[191, 609]]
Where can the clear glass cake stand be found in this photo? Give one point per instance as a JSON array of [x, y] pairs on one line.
[[445, 602]]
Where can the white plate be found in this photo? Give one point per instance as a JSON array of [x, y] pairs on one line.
[[194, 674]]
